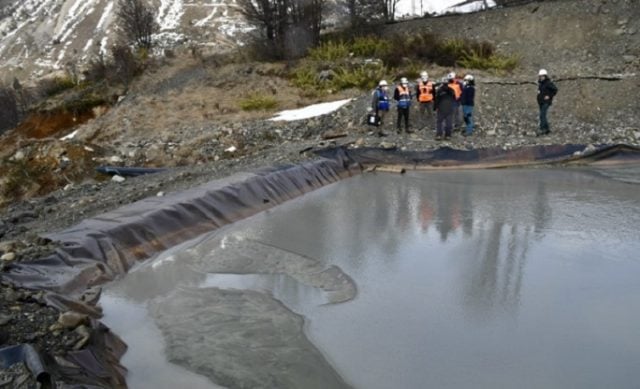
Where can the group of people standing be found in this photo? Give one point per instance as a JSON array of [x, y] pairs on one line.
[[452, 100]]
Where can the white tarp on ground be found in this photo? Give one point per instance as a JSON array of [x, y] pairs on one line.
[[310, 111]]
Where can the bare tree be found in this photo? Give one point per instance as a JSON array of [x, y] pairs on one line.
[[9, 114], [363, 12], [290, 26], [390, 10], [137, 22]]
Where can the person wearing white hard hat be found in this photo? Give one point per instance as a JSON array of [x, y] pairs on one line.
[[546, 91], [425, 94], [402, 96], [444, 106], [467, 101], [380, 103]]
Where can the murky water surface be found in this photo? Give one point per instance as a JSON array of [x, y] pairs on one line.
[[473, 279]]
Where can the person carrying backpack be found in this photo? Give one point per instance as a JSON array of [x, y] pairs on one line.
[[402, 96], [546, 91]]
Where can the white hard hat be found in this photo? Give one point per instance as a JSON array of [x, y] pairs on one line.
[[404, 80], [542, 72], [424, 75], [451, 76], [468, 77], [383, 83]]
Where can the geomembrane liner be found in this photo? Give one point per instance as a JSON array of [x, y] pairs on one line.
[[99, 249]]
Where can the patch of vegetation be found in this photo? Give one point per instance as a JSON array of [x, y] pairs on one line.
[[55, 86], [258, 102], [25, 178], [359, 62], [329, 51], [361, 76], [84, 102], [305, 76], [497, 63], [370, 46]]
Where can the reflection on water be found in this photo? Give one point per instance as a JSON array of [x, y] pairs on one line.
[[500, 278], [474, 279]]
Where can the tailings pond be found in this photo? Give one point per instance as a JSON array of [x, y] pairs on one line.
[[525, 278]]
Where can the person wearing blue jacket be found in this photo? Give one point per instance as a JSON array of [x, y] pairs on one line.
[[380, 102], [467, 102]]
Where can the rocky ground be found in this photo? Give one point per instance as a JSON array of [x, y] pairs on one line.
[[184, 116]]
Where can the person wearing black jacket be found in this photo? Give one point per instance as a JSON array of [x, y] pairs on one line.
[[445, 107], [546, 91], [467, 101], [402, 96]]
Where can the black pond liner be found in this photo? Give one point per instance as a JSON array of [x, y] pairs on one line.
[[99, 249]]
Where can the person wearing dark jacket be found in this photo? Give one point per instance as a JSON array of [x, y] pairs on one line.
[[546, 91], [402, 95], [467, 101], [445, 107]]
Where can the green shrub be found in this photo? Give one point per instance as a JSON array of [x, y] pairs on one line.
[[329, 51], [494, 62], [450, 51], [370, 46], [401, 55], [84, 103], [29, 176], [57, 85], [365, 76], [259, 102], [410, 69], [305, 77]]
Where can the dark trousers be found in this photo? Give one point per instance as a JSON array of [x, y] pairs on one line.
[[444, 123], [403, 112], [544, 123]]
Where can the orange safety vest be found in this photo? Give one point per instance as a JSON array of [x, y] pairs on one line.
[[455, 86], [426, 92], [404, 97], [402, 90]]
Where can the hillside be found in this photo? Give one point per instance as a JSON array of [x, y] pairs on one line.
[[185, 109], [40, 36]]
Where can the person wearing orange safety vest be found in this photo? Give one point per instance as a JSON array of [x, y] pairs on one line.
[[456, 86], [425, 94], [402, 96]]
